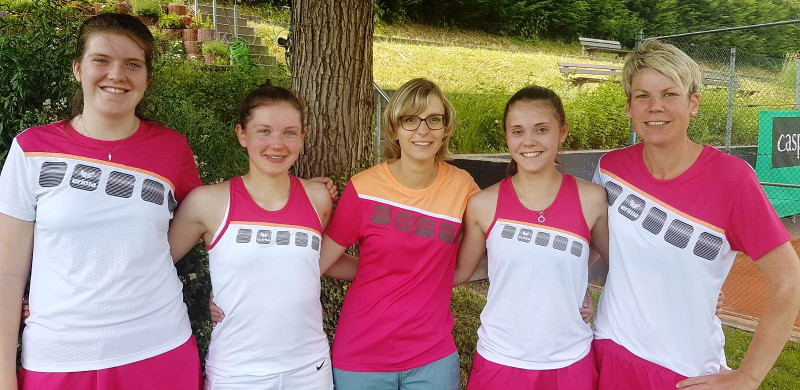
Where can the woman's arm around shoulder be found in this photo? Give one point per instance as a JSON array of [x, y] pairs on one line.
[[595, 211], [472, 250], [197, 217], [320, 197]]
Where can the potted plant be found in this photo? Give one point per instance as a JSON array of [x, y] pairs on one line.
[[122, 8], [147, 11], [189, 33], [205, 30], [215, 52], [178, 9], [172, 23]]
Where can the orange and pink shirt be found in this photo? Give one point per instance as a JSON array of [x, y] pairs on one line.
[[396, 315]]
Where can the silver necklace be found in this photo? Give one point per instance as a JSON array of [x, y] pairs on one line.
[[541, 218], [91, 137]]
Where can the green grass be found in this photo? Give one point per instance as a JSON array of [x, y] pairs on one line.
[[469, 300]]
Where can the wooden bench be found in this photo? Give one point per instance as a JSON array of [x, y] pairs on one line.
[[568, 69], [723, 80], [591, 45]]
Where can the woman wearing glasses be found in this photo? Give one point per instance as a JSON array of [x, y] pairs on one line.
[[405, 213]]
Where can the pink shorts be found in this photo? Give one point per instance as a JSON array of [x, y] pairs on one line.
[[621, 369], [178, 369], [486, 375]]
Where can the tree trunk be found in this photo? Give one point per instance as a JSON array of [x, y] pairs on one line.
[[332, 73]]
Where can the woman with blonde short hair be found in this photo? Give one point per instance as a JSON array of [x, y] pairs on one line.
[[678, 213]]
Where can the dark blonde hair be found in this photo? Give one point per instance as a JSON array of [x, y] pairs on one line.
[[534, 93], [124, 24], [667, 60], [409, 99], [267, 94]]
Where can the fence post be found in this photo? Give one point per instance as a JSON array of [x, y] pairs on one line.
[[797, 85], [731, 86], [196, 10], [632, 134], [214, 13], [378, 129], [235, 20]]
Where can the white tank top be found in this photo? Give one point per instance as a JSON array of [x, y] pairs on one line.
[[538, 273], [265, 276]]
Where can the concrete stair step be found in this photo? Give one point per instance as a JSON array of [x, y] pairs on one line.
[[227, 28], [248, 39], [221, 11], [264, 59]]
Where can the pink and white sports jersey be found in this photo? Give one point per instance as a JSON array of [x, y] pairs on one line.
[[265, 275], [104, 291], [396, 315], [672, 243], [538, 273]]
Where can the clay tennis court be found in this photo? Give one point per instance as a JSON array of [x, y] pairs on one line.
[[746, 287]]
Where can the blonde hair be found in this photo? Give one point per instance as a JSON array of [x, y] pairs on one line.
[[666, 59], [411, 99]]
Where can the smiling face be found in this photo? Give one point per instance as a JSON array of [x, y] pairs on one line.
[[112, 74], [660, 109], [273, 137], [422, 144], [533, 134]]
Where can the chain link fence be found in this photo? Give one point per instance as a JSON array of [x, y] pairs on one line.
[[750, 106]]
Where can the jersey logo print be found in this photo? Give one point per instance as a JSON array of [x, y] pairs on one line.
[[655, 220], [85, 177], [632, 207], [707, 246], [612, 191], [263, 237], [153, 192], [120, 184], [52, 174], [243, 236], [282, 238], [679, 230], [301, 239], [560, 242], [405, 221]]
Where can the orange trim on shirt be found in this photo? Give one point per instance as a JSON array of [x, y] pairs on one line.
[[277, 225], [440, 202], [543, 227], [662, 204], [101, 162]]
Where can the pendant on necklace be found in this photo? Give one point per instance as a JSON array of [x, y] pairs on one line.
[[109, 157], [540, 219]]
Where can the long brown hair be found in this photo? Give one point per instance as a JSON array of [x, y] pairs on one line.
[[534, 93], [268, 94]]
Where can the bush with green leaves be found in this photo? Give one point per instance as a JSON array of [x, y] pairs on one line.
[[215, 48], [170, 21], [36, 79], [146, 8]]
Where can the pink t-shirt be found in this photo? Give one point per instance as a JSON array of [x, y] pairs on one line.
[[671, 245], [396, 315]]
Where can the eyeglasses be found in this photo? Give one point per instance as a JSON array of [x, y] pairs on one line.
[[412, 122]]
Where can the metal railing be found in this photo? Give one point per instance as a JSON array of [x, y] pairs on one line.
[[381, 97]]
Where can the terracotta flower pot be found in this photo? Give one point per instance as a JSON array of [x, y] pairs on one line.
[[149, 20], [173, 33], [122, 8], [205, 34], [177, 9], [97, 7], [192, 47], [208, 59], [189, 34]]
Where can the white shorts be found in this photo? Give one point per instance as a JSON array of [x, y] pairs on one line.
[[315, 376]]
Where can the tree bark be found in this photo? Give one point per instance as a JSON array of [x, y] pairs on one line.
[[332, 73]]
